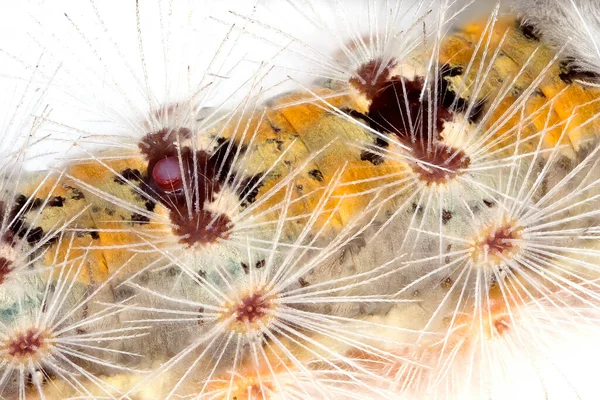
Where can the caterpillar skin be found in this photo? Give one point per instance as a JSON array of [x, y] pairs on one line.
[[356, 239]]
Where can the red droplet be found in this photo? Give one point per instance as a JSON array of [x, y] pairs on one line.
[[167, 173]]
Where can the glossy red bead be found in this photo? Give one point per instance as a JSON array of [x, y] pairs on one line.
[[167, 173]]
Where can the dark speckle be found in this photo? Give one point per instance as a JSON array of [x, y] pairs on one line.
[[528, 31], [569, 74], [302, 282], [35, 235], [316, 175], [371, 157], [446, 283], [128, 175], [446, 216], [246, 268], [56, 201], [201, 274], [489, 203], [150, 205], [76, 194], [249, 189], [140, 219]]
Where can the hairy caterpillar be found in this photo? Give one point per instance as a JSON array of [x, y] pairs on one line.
[[413, 224]]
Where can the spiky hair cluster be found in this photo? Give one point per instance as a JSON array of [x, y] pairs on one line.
[[402, 204]]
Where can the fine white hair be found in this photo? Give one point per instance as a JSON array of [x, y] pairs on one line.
[[573, 25]]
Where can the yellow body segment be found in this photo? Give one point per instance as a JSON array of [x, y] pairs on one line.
[[522, 84]]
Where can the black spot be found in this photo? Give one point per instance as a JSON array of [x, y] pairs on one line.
[[128, 175], [201, 274], [355, 114], [140, 219], [200, 319], [94, 235], [35, 235], [449, 99], [123, 292], [381, 142], [453, 71], [446, 283], [246, 268], [150, 205], [21, 204], [279, 144], [223, 157], [275, 128], [416, 208], [249, 189], [528, 30], [570, 74], [446, 216], [260, 264], [371, 157], [316, 175], [302, 282], [18, 227], [56, 201], [489, 203], [76, 194]]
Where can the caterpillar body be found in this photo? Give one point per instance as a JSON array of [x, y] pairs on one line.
[[422, 225]]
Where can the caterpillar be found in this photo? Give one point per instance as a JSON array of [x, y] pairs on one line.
[[419, 221]]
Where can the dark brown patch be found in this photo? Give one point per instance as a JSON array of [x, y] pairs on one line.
[[260, 264], [162, 143], [202, 227], [204, 175], [372, 76], [439, 163], [392, 109]]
